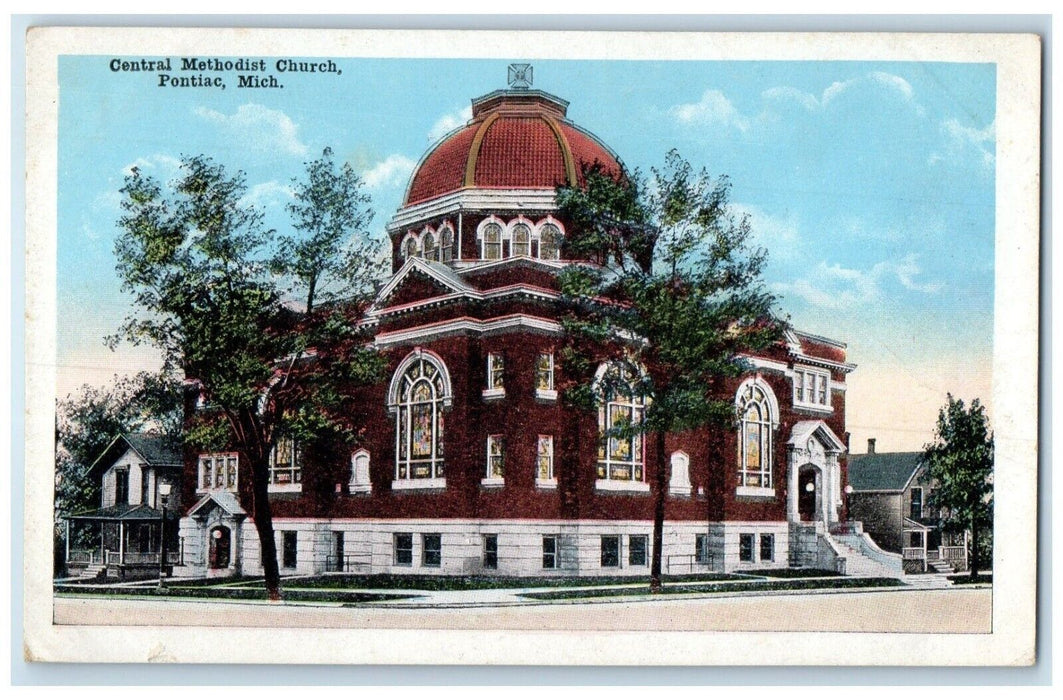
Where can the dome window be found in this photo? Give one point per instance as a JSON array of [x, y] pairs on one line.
[[549, 242], [430, 250], [521, 240], [492, 242]]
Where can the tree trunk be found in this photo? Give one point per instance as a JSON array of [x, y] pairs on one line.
[[659, 491], [974, 549], [263, 516]]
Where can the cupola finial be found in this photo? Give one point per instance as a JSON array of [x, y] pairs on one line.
[[520, 76]]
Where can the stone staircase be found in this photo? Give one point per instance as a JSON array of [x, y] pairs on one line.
[[859, 564], [940, 566], [94, 571]]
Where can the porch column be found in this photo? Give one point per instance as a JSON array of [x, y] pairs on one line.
[[791, 487], [824, 493], [834, 493], [121, 542], [67, 558]]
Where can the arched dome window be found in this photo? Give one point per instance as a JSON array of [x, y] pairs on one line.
[[521, 244], [446, 244], [549, 241], [419, 391], [430, 250], [757, 413], [621, 449], [410, 248], [491, 241]]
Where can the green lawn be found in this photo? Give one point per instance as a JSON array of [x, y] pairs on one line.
[[469, 583], [219, 593], [729, 587]]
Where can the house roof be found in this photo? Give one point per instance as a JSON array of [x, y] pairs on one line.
[[124, 511], [156, 450], [886, 471]]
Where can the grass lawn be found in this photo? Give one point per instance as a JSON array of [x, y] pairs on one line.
[[962, 579], [217, 593], [727, 587], [469, 583], [792, 573]]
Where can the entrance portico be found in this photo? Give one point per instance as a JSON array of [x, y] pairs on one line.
[[814, 489]]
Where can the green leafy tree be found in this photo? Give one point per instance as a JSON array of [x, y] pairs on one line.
[[331, 255], [87, 422], [201, 266], [960, 464], [674, 302]]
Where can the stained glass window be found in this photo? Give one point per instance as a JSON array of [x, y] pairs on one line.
[[218, 471], [544, 372], [496, 365], [549, 242], [446, 244], [286, 464], [521, 240], [419, 421], [620, 450], [411, 249], [492, 242], [496, 457], [754, 438], [545, 458]]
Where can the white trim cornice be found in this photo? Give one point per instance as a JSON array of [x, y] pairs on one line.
[[474, 198], [467, 325]]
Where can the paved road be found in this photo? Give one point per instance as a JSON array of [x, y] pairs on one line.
[[927, 611]]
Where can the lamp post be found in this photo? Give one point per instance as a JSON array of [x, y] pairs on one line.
[[164, 494], [848, 493]]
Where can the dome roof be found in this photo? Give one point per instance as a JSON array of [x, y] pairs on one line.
[[516, 139]]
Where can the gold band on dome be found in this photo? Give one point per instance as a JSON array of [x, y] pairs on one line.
[[474, 150], [566, 152]]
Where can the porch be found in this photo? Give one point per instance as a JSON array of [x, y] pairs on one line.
[[920, 556], [132, 540]]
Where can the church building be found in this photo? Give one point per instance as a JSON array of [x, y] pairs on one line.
[[471, 464]]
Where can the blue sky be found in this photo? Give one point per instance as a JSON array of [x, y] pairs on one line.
[[871, 185]]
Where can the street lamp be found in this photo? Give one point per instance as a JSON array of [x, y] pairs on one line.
[[164, 494]]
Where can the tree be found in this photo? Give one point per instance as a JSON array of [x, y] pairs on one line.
[[674, 302], [198, 262], [89, 420], [959, 463], [331, 255]]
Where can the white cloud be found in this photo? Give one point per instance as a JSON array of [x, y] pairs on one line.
[[257, 127], [266, 193], [448, 122], [779, 235], [159, 164], [982, 140], [837, 287], [393, 170], [712, 109], [812, 103]]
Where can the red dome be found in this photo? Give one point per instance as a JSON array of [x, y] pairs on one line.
[[516, 139]]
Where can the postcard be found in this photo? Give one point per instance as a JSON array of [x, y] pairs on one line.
[[481, 347]]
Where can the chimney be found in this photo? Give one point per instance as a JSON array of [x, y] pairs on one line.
[[871, 446]]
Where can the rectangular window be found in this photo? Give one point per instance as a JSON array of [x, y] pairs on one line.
[[290, 548], [490, 551], [812, 388], [496, 457], [916, 509], [610, 551], [496, 366], [121, 486], [636, 550], [544, 372], [545, 458], [745, 547], [701, 549], [432, 554], [285, 463], [767, 547], [403, 549], [218, 471], [144, 483], [550, 552]]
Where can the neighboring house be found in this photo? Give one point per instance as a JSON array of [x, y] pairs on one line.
[[891, 493], [469, 462], [140, 476]]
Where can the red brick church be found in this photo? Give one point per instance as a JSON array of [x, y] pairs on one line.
[[471, 464]]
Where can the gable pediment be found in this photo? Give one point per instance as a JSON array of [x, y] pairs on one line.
[[418, 281]]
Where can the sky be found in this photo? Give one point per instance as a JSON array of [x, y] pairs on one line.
[[870, 184]]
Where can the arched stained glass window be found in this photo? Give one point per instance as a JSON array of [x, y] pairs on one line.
[[446, 244], [492, 241], [621, 450], [430, 250], [754, 437], [549, 242], [410, 248], [521, 239], [420, 394]]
